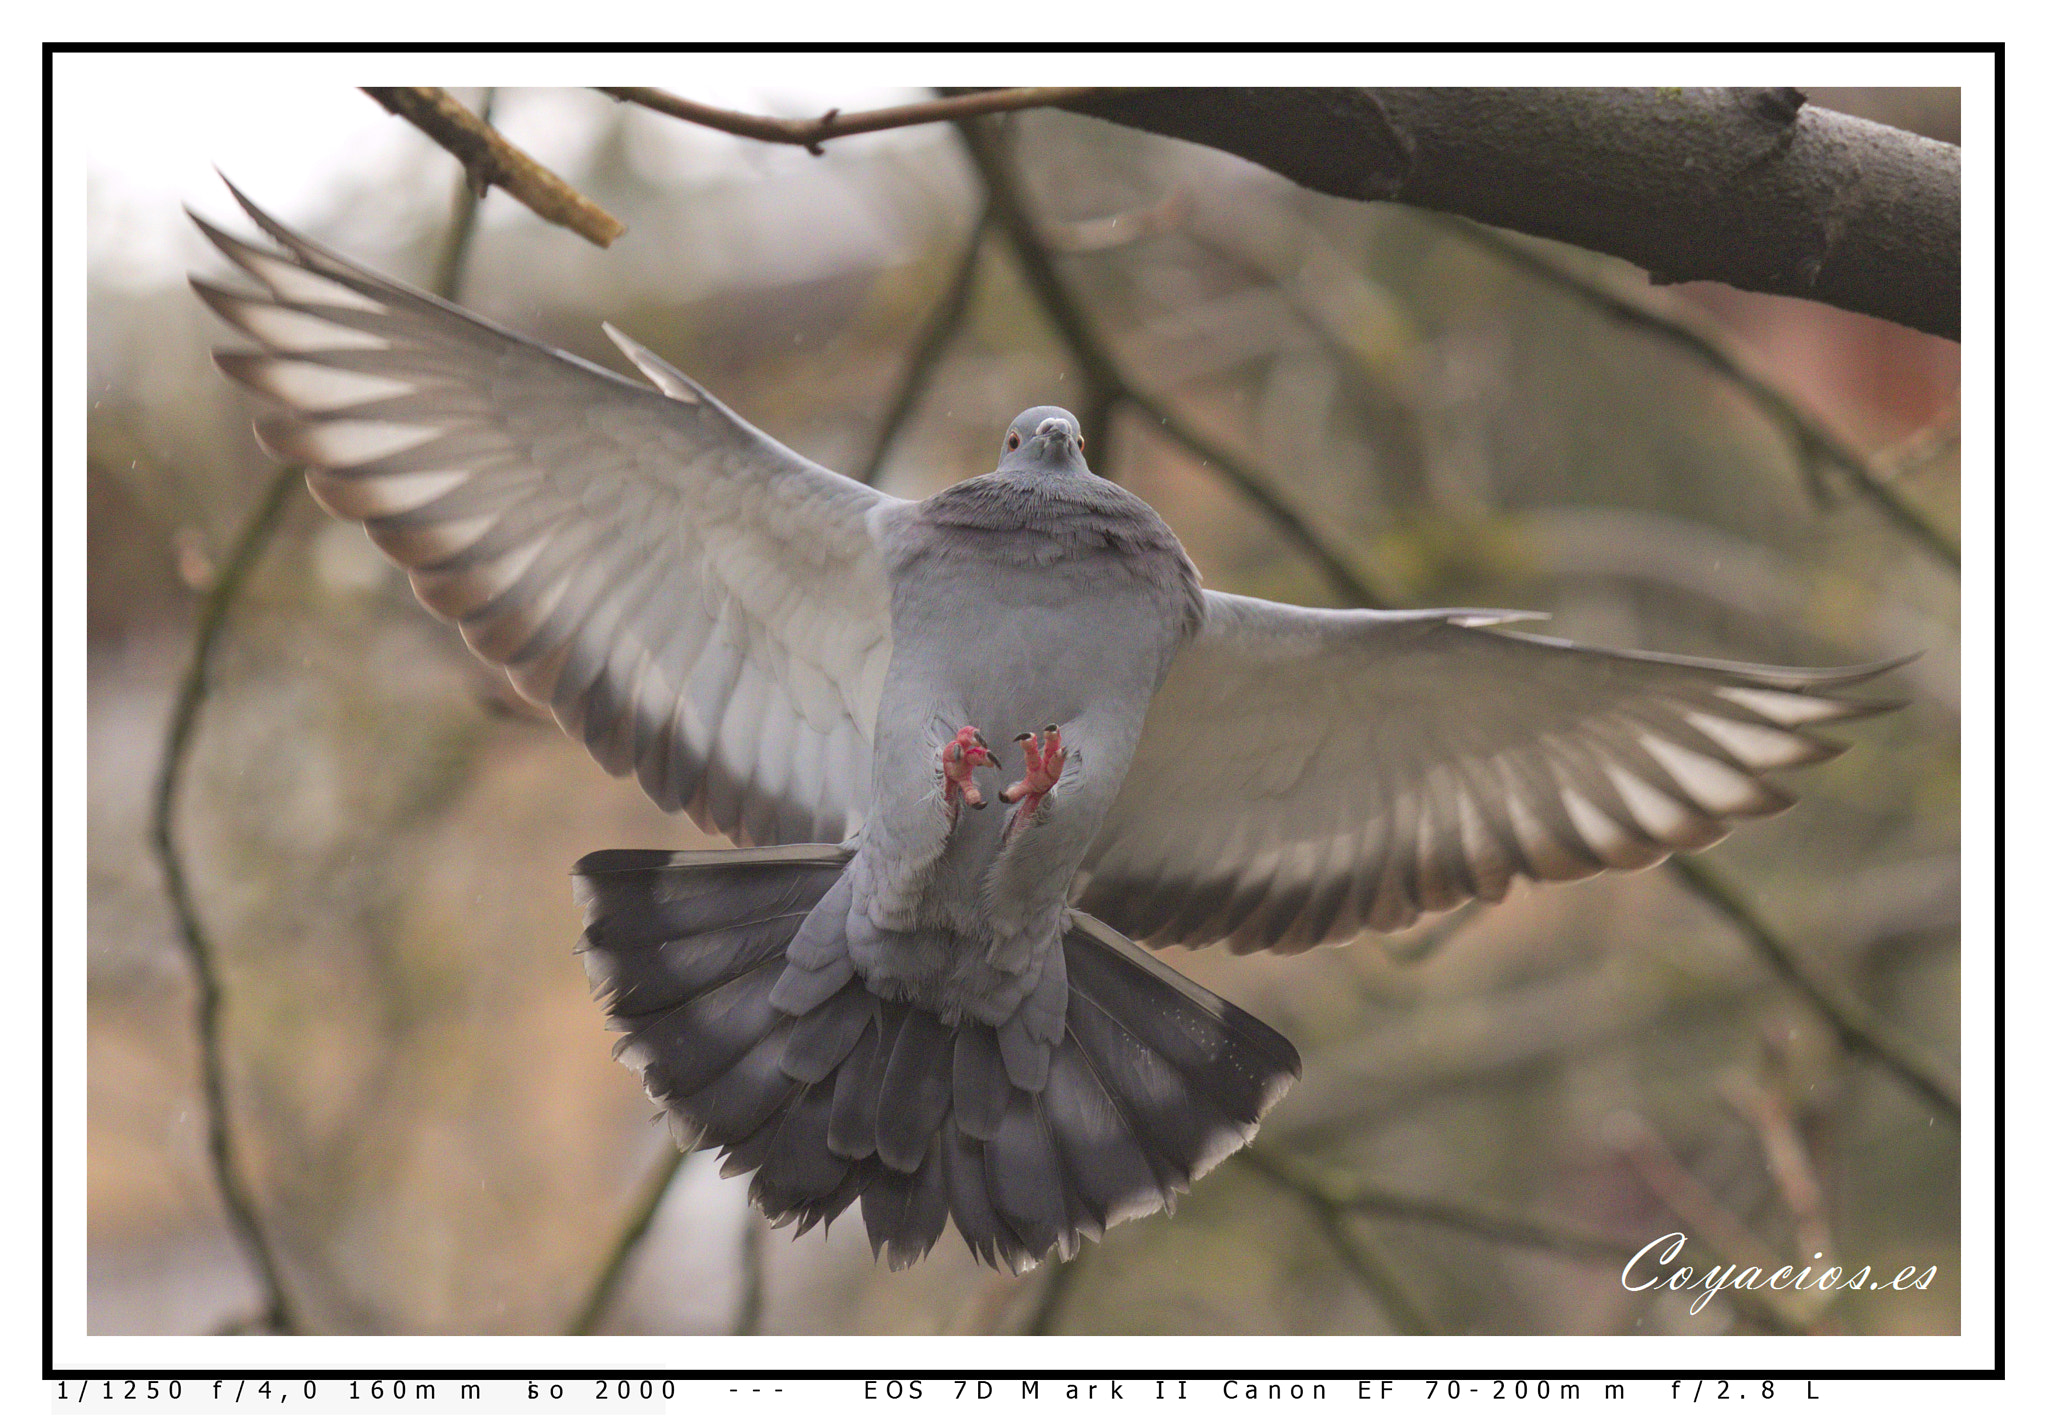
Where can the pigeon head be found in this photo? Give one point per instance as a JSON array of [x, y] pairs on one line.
[[1044, 438]]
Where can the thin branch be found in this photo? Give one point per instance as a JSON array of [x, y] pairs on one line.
[[453, 262], [490, 161], [938, 333], [746, 1314], [1433, 936], [193, 689], [810, 133], [1785, 1157], [1053, 1295], [1813, 444], [1266, 493], [277, 1313], [1357, 1247], [1718, 1229], [645, 1206], [1488, 1222], [1859, 1031], [1123, 229], [1101, 373]]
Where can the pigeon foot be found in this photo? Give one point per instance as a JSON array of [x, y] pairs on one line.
[[1043, 763], [962, 756]]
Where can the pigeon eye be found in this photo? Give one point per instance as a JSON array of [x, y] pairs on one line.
[[1081, 443], [1014, 440]]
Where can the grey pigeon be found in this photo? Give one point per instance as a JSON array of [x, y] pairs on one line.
[[971, 748]]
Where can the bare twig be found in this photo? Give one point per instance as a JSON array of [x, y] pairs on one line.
[[1488, 1222], [1357, 1247], [277, 1313], [1414, 948], [811, 133], [1785, 1157], [1717, 1228], [1102, 375], [746, 1314], [1123, 229], [645, 1205], [454, 259], [491, 161], [193, 689], [938, 333], [1858, 1030], [1813, 444], [1053, 1294]]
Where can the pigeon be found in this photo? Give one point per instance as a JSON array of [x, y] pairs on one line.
[[972, 752]]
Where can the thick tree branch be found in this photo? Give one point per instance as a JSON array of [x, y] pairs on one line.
[[490, 162], [810, 133], [1744, 186]]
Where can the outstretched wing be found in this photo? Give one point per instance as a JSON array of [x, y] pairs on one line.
[[1304, 774], [698, 604]]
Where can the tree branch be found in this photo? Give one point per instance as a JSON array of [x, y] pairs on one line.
[[1357, 1248], [1488, 1222], [753, 1294], [193, 690], [277, 1314], [938, 333], [1053, 1294], [491, 161], [1708, 1223], [1858, 1030], [1105, 378], [1744, 186], [631, 1233], [810, 133], [1813, 444]]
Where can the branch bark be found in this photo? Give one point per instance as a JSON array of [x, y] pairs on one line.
[[491, 161], [810, 133], [1744, 186]]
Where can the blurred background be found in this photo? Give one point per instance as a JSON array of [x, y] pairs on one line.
[[378, 835]]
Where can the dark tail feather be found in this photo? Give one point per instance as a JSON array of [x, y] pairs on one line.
[[852, 1097]]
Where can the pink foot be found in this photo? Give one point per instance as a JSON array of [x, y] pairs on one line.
[[963, 755], [1042, 767]]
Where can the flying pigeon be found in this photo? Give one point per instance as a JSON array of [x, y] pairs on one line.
[[972, 750]]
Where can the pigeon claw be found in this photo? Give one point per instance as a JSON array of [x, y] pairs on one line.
[[1043, 762], [966, 753]]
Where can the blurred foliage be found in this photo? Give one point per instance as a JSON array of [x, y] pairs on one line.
[[379, 835]]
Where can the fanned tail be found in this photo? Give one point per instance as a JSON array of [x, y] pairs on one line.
[[728, 973]]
